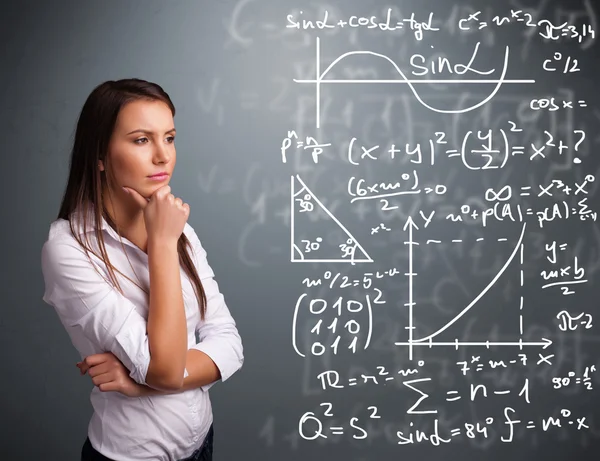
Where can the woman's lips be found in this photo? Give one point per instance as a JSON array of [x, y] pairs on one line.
[[159, 177]]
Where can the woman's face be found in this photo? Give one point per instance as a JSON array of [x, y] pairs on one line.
[[142, 144]]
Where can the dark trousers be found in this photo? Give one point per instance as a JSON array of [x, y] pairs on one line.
[[204, 453]]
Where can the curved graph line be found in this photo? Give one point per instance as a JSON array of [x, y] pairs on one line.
[[441, 111], [484, 291]]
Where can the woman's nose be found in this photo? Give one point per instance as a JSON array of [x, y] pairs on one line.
[[162, 154]]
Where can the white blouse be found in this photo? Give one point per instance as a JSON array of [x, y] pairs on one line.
[[99, 319]]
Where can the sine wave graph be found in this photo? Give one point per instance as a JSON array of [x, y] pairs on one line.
[[320, 79]]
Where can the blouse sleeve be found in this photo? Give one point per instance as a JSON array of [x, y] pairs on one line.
[[218, 335], [89, 306]]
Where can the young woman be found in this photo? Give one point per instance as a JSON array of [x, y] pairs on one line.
[[131, 284]]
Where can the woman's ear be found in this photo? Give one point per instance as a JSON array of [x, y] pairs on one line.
[[100, 165]]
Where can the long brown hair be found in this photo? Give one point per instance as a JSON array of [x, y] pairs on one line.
[[84, 187]]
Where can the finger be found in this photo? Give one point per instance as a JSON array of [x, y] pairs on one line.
[[103, 379], [99, 369], [106, 362], [163, 192], [135, 195], [103, 355], [94, 359], [112, 386]]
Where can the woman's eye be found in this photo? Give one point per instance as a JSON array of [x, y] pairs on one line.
[[172, 138]]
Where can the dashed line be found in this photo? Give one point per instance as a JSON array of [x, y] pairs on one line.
[[480, 239]]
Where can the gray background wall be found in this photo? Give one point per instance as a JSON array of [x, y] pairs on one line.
[[229, 68]]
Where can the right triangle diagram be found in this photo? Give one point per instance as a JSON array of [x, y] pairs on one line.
[[316, 244]]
